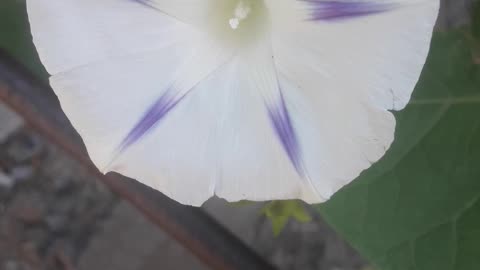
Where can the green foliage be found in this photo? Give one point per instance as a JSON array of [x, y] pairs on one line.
[[419, 208], [15, 37], [474, 37], [280, 212], [476, 19]]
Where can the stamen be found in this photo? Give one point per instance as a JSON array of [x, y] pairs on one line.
[[241, 12]]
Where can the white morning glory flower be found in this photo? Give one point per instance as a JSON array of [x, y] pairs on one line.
[[243, 99]]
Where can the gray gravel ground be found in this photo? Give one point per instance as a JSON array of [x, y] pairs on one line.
[[49, 209]]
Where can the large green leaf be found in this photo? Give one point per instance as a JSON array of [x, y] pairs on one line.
[[476, 19], [15, 37], [419, 208]]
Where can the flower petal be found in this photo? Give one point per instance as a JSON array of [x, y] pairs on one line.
[[186, 78], [332, 10], [154, 114], [341, 79], [262, 158], [217, 139], [257, 161], [300, 126], [263, 78], [193, 12], [283, 126], [108, 101], [72, 33], [180, 155]]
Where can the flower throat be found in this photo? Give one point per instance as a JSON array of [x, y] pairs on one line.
[[238, 21]]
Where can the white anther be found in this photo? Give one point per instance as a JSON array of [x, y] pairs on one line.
[[241, 12], [234, 22]]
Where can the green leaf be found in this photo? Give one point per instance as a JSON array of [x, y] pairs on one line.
[[419, 208], [475, 32], [280, 212], [15, 37], [476, 19]]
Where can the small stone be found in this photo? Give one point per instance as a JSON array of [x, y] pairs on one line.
[[22, 173], [6, 181], [17, 265], [57, 223], [28, 208], [11, 122], [24, 148], [64, 205], [37, 235], [29, 214], [11, 265], [62, 184], [30, 253]]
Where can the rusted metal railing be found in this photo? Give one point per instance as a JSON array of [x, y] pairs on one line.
[[191, 227]]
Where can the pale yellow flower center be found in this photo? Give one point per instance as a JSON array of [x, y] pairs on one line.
[[237, 22]]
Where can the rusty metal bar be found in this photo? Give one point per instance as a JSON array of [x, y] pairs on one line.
[[191, 227]]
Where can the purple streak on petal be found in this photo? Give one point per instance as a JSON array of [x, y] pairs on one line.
[[333, 10], [147, 3], [152, 116], [282, 124]]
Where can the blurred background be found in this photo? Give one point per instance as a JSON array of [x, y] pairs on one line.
[[56, 214]]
